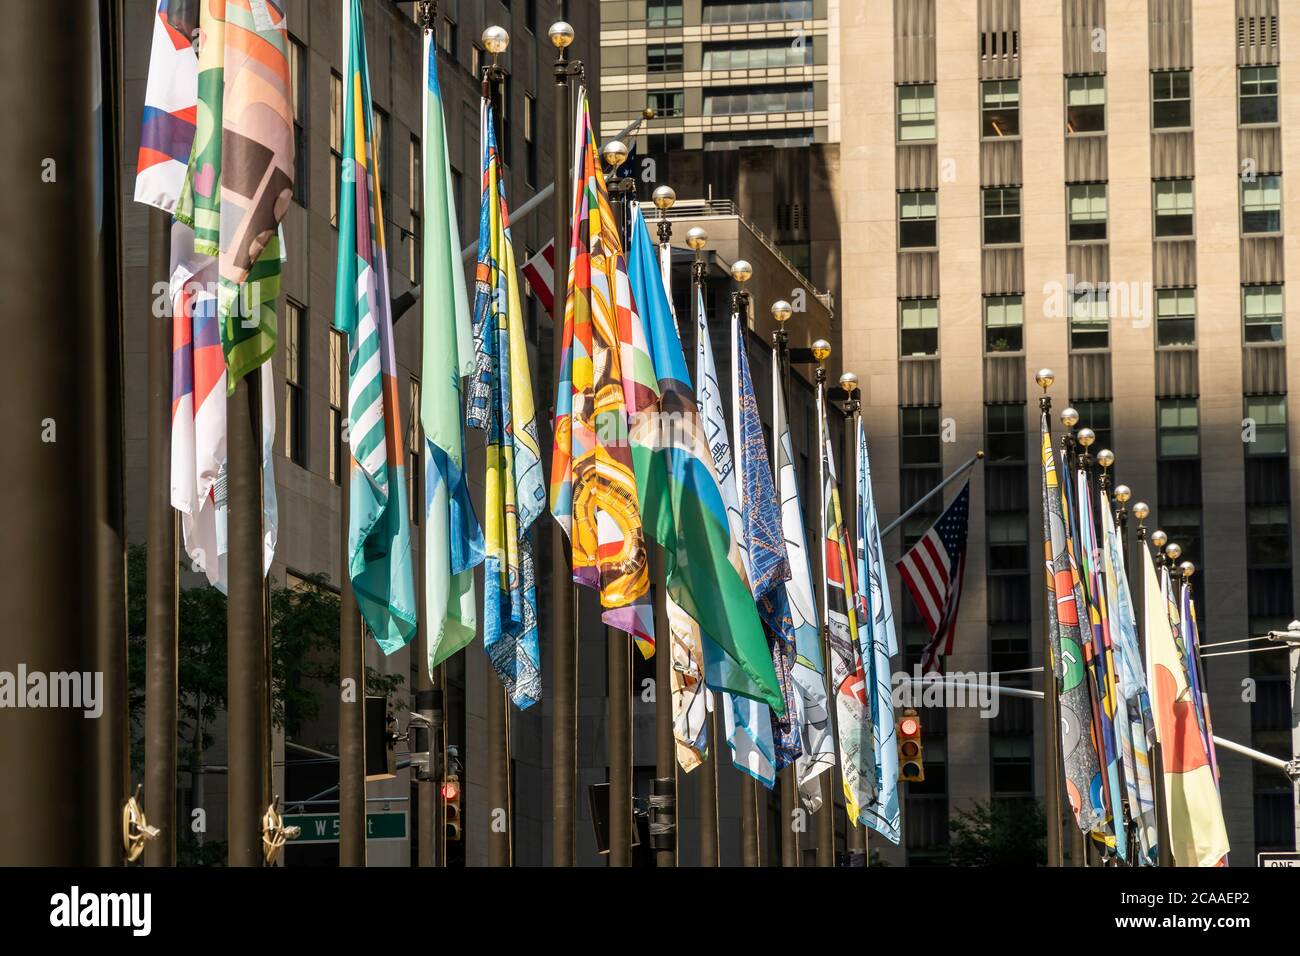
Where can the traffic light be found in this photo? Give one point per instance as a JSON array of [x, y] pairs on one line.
[[451, 805], [911, 764]]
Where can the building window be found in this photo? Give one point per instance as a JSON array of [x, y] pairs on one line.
[[1261, 205], [1004, 433], [918, 326], [1171, 99], [663, 13], [663, 57], [916, 116], [756, 11], [383, 171], [1268, 536], [298, 86], [1257, 87], [763, 55], [1262, 312], [475, 60], [336, 145], [1175, 317], [530, 139], [1090, 320], [1002, 216], [1087, 205], [338, 363], [447, 37], [1004, 323], [917, 220], [781, 99], [1013, 765], [1095, 414], [1178, 424], [1174, 208], [1085, 104], [1000, 108], [1268, 415], [667, 102], [920, 440], [530, 15], [413, 449], [415, 189], [294, 414]]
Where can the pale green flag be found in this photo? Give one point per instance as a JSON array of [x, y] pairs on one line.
[[453, 540]]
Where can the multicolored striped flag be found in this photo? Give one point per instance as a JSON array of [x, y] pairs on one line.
[[501, 404], [715, 629], [878, 644], [1103, 663], [198, 462], [1078, 749], [934, 570], [241, 171], [848, 674], [1197, 834], [170, 105], [452, 539], [1191, 651], [605, 378], [379, 535], [816, 734], [1133, 728]]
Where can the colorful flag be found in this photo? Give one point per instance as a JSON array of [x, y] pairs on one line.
[[848, 674], [1197, 835], [764, 544], [878, 643], [715, 629], [1078, 749], [605, 378], [379, 536], [1133, 727], [240, 179], [170, 104], [452, 539], [1191, 650], [1103, 664], [817, 737], [934, 569], [198, 462], [501, 403], [540, 273]]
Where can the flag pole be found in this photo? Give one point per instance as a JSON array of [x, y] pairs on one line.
[[856, 836], [826, 823], [696, 238], [1163, 847], [1052, 784], [61, 387], [161, 684], [618, 684], [500, 840], [789, 782], [352, 668], [663, 799], [563, 592], [247, 681], [751, 850]]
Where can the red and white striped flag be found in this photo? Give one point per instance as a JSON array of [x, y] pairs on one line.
[[540, 273], [933, 570]]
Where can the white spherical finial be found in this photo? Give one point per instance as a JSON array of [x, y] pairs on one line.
[[561, 34]]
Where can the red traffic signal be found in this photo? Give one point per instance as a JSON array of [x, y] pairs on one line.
[[911, 763], [450, 790]]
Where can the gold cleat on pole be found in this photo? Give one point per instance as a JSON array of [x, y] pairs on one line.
[[274, 833], [136, 831]]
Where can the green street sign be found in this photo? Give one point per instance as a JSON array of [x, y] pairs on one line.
[[381, 827]]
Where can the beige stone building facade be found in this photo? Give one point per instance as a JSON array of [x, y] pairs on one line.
[[1000, 163]]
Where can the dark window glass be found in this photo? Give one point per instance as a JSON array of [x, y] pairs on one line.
[[1171, 99], [1173, 208], [1258, 95], [917, 220], [1002, 216], [1087, 211], [1085, 104], [1000, 108], [663, 57]]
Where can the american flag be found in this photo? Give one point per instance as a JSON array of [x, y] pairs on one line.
[[540, 273], [933, 570]]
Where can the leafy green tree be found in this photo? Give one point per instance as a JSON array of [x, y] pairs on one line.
[[304, 665], [998, 833]]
